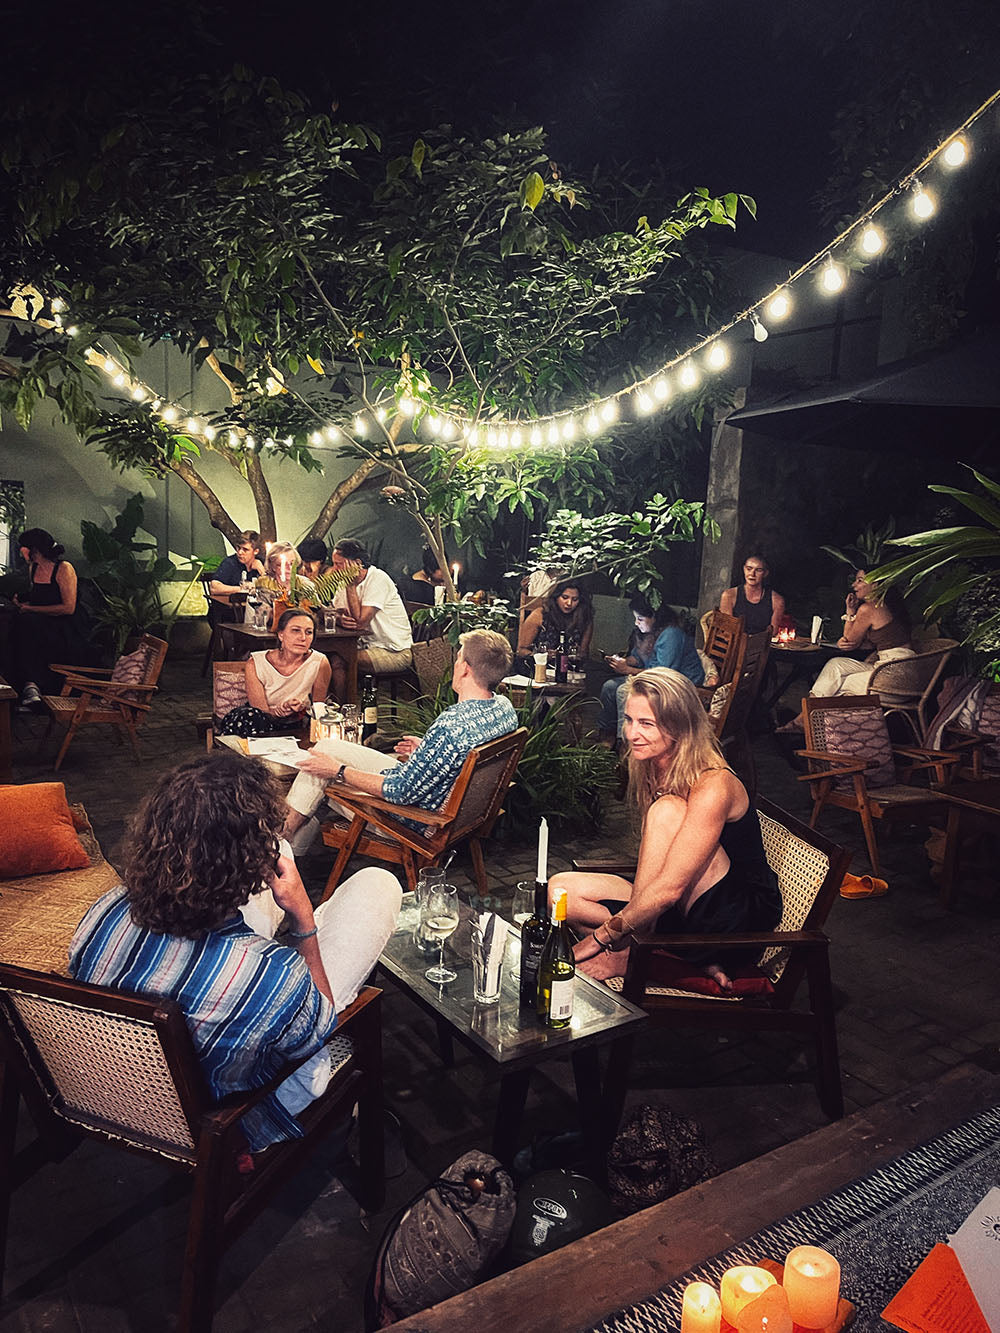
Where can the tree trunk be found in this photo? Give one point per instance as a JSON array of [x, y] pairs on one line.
[[217, 514], [340, 495], [257, 482]]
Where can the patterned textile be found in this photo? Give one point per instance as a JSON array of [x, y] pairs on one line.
[[989, 723], [862, 734], [429, 774], [250, 1003], [719, 699], [132, 669], [251, 723], [229, 691]]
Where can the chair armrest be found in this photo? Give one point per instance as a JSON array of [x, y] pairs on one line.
[[109, 692], [362, 803], [65, 670], [925, 758], [964, 739], [605, 867], [839, 766], [766, 939]]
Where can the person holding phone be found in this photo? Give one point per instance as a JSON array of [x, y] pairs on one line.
[[206, 883], [656, 640]]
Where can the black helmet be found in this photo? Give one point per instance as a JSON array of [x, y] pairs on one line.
[[553, 1208]]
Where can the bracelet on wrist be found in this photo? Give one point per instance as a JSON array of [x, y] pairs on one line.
[[304, 934]]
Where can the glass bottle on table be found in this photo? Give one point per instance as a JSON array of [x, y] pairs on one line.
[[562, 660], [369, 708], [533, 933], [556, 970]]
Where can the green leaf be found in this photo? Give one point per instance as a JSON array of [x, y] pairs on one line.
[[532, 190], [417, 155]]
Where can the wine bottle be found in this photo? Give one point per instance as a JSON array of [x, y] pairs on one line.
[[562, 660], [556, 970], [533, 935], [369, 708]]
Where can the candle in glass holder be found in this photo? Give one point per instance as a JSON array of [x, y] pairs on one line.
[[812, 1281], [740, 1286], [701, 1311]]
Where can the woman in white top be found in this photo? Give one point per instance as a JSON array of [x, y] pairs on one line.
[[282, 682]]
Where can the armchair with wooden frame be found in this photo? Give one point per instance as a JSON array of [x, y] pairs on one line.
[[906, 686], [118, 696], [854, 766], [809, 870], [731, 726], [475, 802], [88, 1061]]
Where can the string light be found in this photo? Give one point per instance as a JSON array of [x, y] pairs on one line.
[[536, 437], [360, 426], [380, 416], [688, 376], [759, 331], [923, 204], [447, 429], [644, 402], [250, 442], [209, 433], [956, 153], [119, 380], [139, 393], [831, 277], [718, 356], [515, 439], [191, 426], [407, 406], [609, 411], [662, 389], [331, 433], [169, 412], [592, 424], [434, 424], [872, 240]]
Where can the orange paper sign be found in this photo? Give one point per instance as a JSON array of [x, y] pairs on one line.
[[937, 1299]]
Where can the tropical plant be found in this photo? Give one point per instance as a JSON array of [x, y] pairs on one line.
[[621, 546], [952, 563], [319, 591], [344, 299], [128, 575], [869, 549], [453, 619]]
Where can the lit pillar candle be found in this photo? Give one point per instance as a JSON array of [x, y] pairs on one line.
[[542, 873], [454, 575], [702, 1309], [812, 1281], [741, 1285], [766, 1313]]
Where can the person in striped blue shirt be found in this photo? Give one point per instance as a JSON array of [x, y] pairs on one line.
[[206, 885]]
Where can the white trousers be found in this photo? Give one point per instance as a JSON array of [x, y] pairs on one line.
[[306, 792], [352, 930], [843, 675]]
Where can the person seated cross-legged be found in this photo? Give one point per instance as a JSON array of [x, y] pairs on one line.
[[425, 770], [205, 886]]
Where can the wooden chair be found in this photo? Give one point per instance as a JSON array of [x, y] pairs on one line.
[[722, 642], [733, 731], [229, 690], [809, 870], [431, 659], [219, 613], [854, 765], [907, 686], [94, 1062], [468, 814], [118, 697]]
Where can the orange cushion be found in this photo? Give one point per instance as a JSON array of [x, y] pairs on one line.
[[36, 831]]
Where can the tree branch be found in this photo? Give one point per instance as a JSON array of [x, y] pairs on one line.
[[340, 495], [216, 510]]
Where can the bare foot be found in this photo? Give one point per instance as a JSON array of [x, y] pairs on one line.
[[718, 976]]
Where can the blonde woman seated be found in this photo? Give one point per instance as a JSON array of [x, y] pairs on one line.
[[879, 620], [281, 682], [702, 868]]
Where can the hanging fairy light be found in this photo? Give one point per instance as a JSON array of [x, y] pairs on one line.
[[209, 433], [831, 277], [407, 406], [515, 438], [759, 330], [139, 393], [192, 426], [923, 204], [536, 436], [447, 428], [592, 423], [872, 240], [380, 415], [360, 426], [718, 356], [609, 411], [569, 429], [434, 424], [662, 389], [779, 307], [315, 437], [689, 377], [956, 153], [644, 403], [169, 412]]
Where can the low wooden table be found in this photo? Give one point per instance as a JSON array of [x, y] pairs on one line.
[[628, 1262], [8, 697], [238, 640], [800, 659], [967, 801], [508, 1036]]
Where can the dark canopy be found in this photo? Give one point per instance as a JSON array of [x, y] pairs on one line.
[[944, 402]]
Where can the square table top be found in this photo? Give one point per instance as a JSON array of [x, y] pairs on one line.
[[504, 1032]]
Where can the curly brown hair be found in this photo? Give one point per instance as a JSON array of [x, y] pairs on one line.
[[202, 842]]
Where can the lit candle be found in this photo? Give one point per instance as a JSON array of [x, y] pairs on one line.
[[701, 1311], [283, 565], [454, 575], [766, 1313], [740, 1286], [541, 874], [812, 1281]]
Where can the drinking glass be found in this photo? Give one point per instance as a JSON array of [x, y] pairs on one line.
[[352, 722], [438, 921], [428, 877], [524, 902]]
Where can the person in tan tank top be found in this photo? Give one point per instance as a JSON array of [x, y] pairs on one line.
[[879, 620]]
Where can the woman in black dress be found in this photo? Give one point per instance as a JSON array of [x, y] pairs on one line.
[[45, 629], [702, 868]]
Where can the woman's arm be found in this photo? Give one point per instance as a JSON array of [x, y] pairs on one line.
[[727, 602], [321, 685], [255, 690], [777, 612], [856, 627], [669, 647], [529, 631]]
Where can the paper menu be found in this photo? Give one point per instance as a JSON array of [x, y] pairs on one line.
[[957, 1287]]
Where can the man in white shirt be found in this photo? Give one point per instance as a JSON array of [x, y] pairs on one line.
[[370, 603]]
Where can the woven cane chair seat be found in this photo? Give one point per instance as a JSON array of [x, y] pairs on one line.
[[66, 705]]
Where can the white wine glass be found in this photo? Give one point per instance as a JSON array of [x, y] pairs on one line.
[[438, 921], [523, 904]]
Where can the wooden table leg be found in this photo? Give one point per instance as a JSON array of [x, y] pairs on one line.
[[587, 1073], [950, 863], [510, 1110]]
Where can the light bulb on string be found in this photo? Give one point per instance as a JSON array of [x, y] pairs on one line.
[[923, 204], [192, 426], [491, 438], [779, 306], [872, 240], [759, 331], [592, 423], [569, 429], [138, 393], [447, 428], [662, 389], [169, 413], [331, 433], [831, 277], [119, 380], [360, 426], [315, 437], [718, 356], [111, 365], [536, 436], [434, 424], [58, 304], [644, 402], [250, 443], [553, 434], [688, 376], [515, 439], [209, 433], [956, 154], [407, 406], [503, 439], [380, 415], [609, 411]]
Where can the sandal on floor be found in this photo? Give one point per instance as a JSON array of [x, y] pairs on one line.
[[863, 886]]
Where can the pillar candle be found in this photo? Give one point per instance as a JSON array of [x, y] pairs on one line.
[[701, 1311], [812, 1281], [766, 1313], [454, 575], [542, 874], [739, 1286]]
